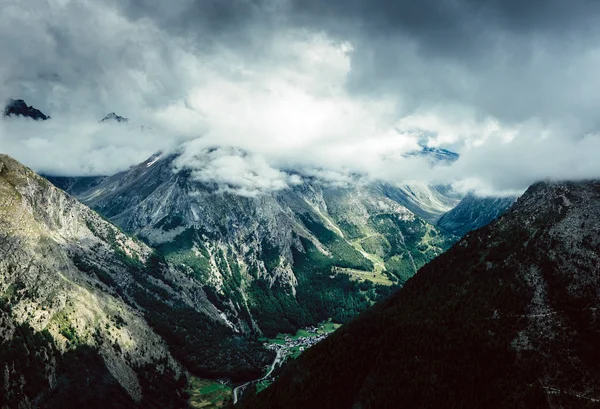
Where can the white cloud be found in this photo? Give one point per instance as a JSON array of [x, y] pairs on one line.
[[285, 103], [233, 171]]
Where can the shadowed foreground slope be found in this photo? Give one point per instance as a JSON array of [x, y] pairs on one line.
[[507, 318]]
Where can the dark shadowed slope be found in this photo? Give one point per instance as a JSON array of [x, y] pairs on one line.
[[507, 318], [474, 212]]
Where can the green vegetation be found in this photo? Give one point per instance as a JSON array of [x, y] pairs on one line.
[[342, 253], [404, 245], [376, 244], [376, 277], [320, 294], [187, 249], [323, 328], [81, 378], [351, 231], [207, 348], [208, 394], [262, 385], [401, 266]]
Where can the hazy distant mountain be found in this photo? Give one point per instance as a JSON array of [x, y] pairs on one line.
[[112, 117], [474, 212], [436, 156], [429, 202], [507, 318], [18, 107]]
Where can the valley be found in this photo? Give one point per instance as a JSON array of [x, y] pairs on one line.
[[209, 394], [208, 281], [506, 318], [277, 262], [287, 346]]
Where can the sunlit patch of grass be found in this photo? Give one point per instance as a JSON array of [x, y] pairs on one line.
[[376, 277], [208, 394]]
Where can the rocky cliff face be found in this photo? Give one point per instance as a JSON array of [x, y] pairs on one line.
[[274, 261], [508, 317], [45, 237], [473, 212], [426, 201], [74, 287]]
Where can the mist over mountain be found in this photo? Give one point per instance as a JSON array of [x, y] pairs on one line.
[[275, 257], [114, 117], [345, 90], [18, 107]]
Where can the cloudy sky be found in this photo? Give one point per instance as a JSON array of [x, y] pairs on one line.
[[329, 88]]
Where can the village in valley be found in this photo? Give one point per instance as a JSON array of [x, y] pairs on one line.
[[287, 345], [293, 345], [209, 394]]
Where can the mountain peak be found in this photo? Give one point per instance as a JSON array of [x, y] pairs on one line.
[[434, 155], [114, 117], [18, 107]]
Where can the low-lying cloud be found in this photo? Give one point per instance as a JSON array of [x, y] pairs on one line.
[[233, 171], [261, 91]]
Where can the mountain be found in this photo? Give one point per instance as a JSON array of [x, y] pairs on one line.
[[429, 202], [18, 107], [75, 185], [435, 156], [112, 117], [91, 317], [507, 318], [439, 155], [277, 261], [473, 212]]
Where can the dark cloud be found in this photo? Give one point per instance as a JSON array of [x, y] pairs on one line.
[[210, 23], [510, 59]]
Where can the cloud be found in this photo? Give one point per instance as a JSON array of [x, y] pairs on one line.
[[63, 146], [336, 90], [233, 171]]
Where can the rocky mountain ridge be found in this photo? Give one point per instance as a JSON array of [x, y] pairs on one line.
[[75, 287], [507, 317], [260, 256]]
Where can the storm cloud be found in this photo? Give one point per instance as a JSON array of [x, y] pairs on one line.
[[324, 87]]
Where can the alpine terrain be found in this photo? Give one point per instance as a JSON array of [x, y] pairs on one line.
[[473, 212], [273, 262], [87, 311], [507, 318]]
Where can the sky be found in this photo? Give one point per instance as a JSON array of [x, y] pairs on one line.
[[257, 92]]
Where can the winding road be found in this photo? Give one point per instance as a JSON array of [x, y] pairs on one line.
[[275, 362]]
